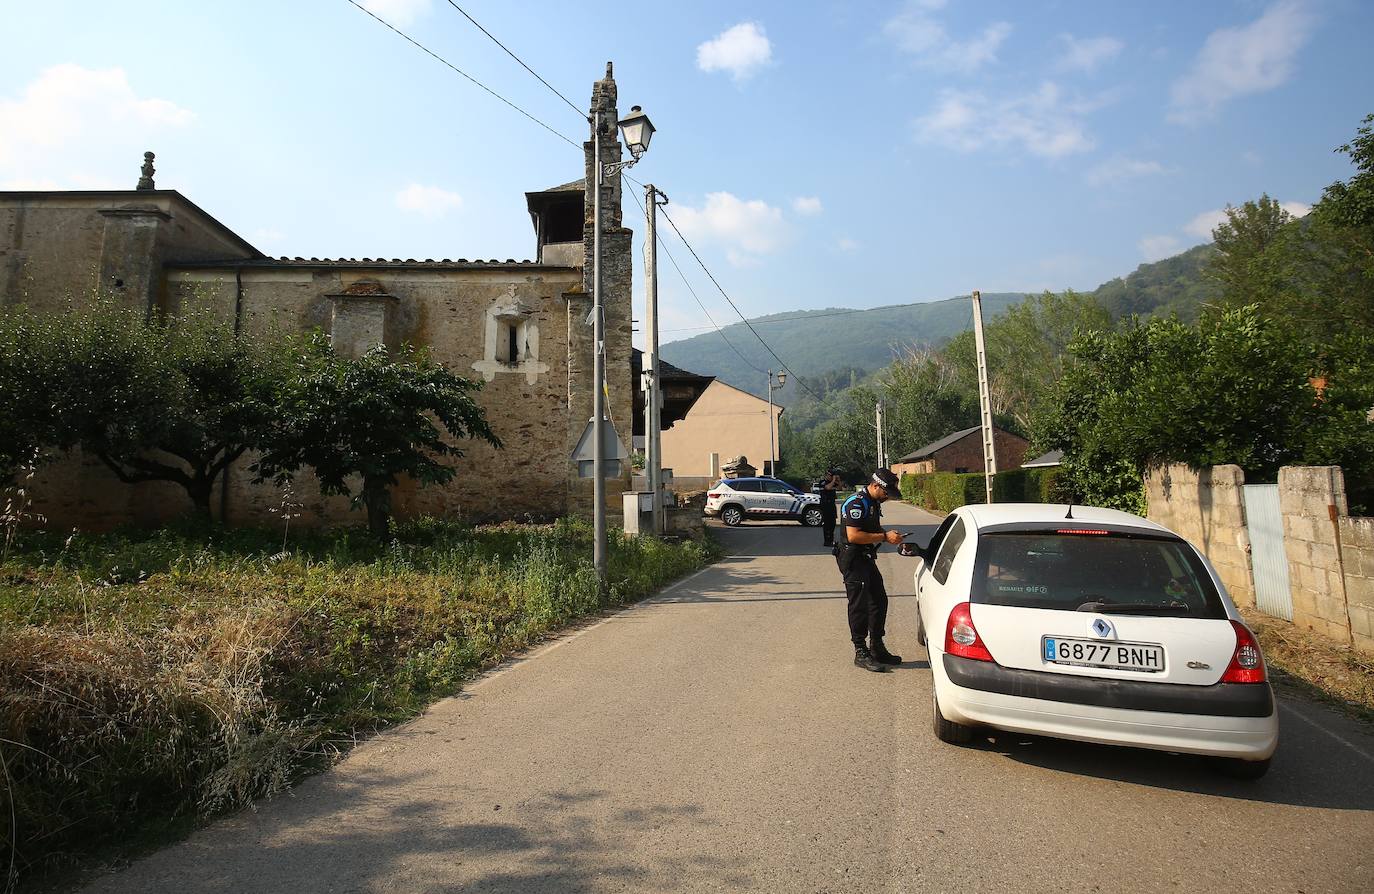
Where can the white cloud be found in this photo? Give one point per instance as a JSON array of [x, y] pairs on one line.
[[1088, 53], [847, 245], [1203, 225], [1119, 169], [741, 50], [1297, 209], [1242, 60], [429, 201], [69, 115], [1156, 248], [807, 206], [398, 12], [746, 228], [918, 33], [1044, 122]]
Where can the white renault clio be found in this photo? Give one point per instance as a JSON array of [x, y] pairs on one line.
[[1089, 624]]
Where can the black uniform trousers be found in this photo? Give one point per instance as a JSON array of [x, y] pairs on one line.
[[865, 592], [828, 516]]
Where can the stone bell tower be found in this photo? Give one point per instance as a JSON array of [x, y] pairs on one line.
[[616, 297]]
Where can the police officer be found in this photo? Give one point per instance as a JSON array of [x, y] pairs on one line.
[[829, 483], [861, 534]]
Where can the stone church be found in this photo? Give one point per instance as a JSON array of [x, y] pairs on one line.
[[519, 326]]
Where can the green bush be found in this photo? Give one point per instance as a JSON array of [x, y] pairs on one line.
[[156, 678], [947, 491]]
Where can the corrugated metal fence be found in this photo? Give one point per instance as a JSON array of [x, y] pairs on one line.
[[1264, 522]]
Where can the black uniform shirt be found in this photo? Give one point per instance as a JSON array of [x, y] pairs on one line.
[[863, 513]]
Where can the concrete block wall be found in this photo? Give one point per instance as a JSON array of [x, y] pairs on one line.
[[1312, 499], [1207, 507], [1357, 558]]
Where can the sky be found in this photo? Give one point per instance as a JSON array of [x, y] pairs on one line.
[[817, 154]]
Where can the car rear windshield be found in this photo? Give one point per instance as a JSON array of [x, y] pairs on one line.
[[1107, 572]]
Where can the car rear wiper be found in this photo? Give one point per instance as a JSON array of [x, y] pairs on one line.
[[1129, 608]]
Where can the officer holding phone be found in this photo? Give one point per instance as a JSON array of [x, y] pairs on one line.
[[860, 535]]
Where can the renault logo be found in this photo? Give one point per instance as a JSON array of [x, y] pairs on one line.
[[1102, 628]]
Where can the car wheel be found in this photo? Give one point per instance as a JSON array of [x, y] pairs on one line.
[[947, 730], [920, 626], [732, 516], [1237, 768], [811, 516]]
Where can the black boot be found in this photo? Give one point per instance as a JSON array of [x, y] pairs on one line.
[[881, 654], [864, 659]]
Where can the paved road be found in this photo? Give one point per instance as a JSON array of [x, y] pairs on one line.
[[717, 738]]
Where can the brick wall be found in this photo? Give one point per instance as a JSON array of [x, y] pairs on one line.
[[1207, 507], [967, 453]]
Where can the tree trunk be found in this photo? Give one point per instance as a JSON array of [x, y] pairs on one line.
[[377, 499], [199, 489]]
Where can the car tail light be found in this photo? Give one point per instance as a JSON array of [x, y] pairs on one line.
[[961, 637], [1247, 664], [712, 496]]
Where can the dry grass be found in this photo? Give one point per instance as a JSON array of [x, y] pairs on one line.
[[1314, 665], [152, 680]]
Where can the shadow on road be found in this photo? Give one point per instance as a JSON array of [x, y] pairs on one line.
[[1305, 772], [345, 838]]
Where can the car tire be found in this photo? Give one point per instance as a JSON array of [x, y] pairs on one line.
[[1237, 768], [811, 517], [947, 730], [732, 515]]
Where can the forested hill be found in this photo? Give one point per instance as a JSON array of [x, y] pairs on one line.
[[815, 342]]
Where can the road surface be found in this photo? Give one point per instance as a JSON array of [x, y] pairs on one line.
[[718, 738]]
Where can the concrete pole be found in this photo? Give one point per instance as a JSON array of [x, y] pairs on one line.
[[984, 401], [654, 421], [598, 371], [772, 441], [882, 446]]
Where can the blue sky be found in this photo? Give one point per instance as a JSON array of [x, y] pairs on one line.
[[819, 154]]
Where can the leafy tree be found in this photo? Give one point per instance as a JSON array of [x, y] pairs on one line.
[[360, 424], [1254, 262], [1237, 388], [165, 399]]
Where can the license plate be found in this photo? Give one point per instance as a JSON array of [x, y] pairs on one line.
[[1096, 653]]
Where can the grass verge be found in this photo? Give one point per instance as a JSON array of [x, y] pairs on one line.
[[151, 680], [1311, 664]]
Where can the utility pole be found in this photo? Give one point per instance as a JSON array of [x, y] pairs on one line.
[[599, 547], [882, 437], [984, 401], [654, 420], [772, 423]]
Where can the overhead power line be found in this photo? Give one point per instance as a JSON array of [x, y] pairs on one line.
[[693, 292], [580, 113], [837, 313], [458, 70], [731, 302]]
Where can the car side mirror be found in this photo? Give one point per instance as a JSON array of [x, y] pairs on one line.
[[911, 550]]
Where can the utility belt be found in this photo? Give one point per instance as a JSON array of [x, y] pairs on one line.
[[846, 554]]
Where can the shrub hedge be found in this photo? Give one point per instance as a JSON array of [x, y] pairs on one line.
[[947, 491]]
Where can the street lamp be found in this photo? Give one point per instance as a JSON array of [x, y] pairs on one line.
[[772, 429], [637, 131]]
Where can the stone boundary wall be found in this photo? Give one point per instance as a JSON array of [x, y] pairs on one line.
[[1357, 555], [1207, 507], [1312, 499], [1330, 554]]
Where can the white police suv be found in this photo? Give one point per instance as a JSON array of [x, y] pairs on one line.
[[1089, 624], [735, 499]]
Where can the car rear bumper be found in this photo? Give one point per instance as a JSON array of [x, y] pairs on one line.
[[1209, 720], [710, 511]]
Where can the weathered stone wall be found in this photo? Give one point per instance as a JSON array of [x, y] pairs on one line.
[[56, 247], [1207, 507], [1357, 555], [1312, 499]]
